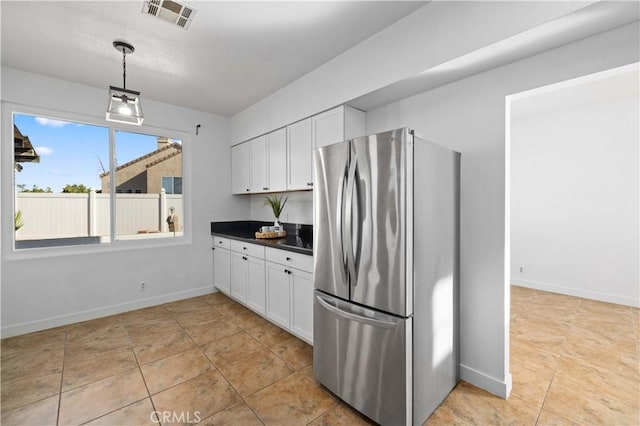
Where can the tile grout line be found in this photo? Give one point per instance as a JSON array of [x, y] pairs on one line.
[[555, 371], [545, 395], [64, 359], [229, 382], [216, 367], [268, 348], [130, 346], [126, 330], [540, 409]]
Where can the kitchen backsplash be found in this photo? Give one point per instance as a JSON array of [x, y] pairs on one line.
[[299, 208]]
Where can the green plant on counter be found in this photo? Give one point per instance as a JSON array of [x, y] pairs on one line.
[[18, 221], [276, 203]]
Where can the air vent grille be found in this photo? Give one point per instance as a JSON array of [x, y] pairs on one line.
[[171, 11]]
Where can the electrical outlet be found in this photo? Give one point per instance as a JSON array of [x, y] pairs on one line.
[[143, 286], [521, 270]]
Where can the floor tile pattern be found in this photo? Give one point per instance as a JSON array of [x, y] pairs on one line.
[[211, 361]]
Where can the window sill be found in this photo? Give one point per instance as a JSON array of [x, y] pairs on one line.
[[124, 243]]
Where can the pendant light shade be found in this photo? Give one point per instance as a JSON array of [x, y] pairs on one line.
[[124, 105]]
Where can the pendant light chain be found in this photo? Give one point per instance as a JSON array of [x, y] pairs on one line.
[[124, 69]]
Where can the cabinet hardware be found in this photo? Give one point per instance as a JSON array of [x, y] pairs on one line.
[[265, 189], [248, 190], [244, 248], [288, 258], [309, 183], [213, 248], [286, 271], [244, 257]]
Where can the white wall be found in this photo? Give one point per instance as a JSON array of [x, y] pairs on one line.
[[574, 199], [299, 208], [51, 290], [434, 34], [469, 116]]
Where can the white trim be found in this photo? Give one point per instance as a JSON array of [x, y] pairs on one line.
[[507, 236], [501, 388], [44, 324], [577, 292], [7, 182]]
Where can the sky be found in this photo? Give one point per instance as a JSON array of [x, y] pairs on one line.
[[72, 152]]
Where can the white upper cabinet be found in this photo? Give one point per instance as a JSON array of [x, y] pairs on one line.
[[300, 146], [277, 153], [259, 164], [337, 125], [241, 168], [283, 159], [328, 127]]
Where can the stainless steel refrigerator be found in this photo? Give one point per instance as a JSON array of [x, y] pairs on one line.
[[386, 215]]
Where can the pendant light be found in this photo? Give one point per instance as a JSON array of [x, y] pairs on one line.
[[124, 105]]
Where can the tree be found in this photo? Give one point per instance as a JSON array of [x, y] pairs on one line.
[[75, 188], [23, 188], [18, 221]]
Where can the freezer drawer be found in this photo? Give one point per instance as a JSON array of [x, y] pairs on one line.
[[364, 357]]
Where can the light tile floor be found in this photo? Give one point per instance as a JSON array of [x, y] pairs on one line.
[[210, 360]]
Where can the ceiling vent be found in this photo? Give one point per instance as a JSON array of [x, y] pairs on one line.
[[171, 11]]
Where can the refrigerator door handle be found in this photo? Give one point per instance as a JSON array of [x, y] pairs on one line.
[[352, 316], [351, 180], [340, 216]]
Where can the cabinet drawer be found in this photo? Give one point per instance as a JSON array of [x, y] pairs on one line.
[[248, 249], [288, 258], [221, 242]]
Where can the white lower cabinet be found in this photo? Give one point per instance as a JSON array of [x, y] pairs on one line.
[[277, 284], [290, 292], [256, 288], [239, 276], [278, 294], [222, 265], [302, 304]]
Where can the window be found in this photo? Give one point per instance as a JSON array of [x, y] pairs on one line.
[[70, 190], [172, 184]]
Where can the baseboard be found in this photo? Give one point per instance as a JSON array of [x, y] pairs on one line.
[[44, 324], [577, 292], [490, 384]]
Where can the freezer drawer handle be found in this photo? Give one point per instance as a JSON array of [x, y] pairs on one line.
[[359, 318]]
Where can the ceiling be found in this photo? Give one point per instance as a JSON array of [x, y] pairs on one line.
[[593, 19], [232, 55]]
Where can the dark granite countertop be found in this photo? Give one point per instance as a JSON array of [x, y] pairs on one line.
[[299, 237]]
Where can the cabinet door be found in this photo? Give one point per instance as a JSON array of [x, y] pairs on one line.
[[222, 269], [241, 168], [259, 178], [256, 285], [239, 276], [278, 294], [328, 127], [299, 155], [277, 153], [302, 304]]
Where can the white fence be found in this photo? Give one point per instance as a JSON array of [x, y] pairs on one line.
[[47, 215]]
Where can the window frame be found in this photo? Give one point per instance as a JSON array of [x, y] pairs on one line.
[[7, 186], [173, 183]]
